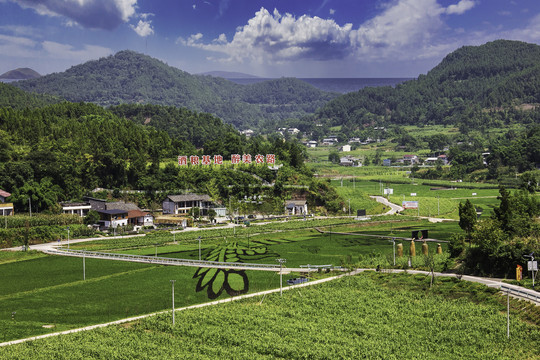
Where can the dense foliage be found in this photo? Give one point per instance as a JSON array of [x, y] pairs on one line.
[[499, 242], [16, 98], [471, 87], [129, 77]]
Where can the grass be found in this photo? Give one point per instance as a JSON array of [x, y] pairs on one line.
[[49, 290], [371, 315]]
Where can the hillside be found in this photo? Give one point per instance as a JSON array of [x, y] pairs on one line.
[[130, 77], [462, 90], [13, 97], [20, 74], [230, 75]]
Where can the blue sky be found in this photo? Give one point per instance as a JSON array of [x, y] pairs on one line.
[[268, 38]]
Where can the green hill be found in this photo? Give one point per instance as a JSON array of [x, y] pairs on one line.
[[467, 84], [13, 97], [130, 77], [20, 73]]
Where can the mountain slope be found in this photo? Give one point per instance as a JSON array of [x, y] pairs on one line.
[[13, 97], [20, 74], [470, 80], [130, 77]]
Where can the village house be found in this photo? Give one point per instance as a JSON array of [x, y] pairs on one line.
[[345, 148], [296, 207], [311, 144], [112, 218], [76, 208], [330, 141], [134, 215], [409, 159], [6, 208], [182, 204]]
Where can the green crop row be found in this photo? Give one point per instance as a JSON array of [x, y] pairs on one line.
[[372, 315]]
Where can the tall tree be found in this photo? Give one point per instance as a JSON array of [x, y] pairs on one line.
[[467, 217]]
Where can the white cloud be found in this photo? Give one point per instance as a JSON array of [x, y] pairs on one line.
[[94, 14], [283, 37], [56, 50], [407, 23], [332, 11], [17, 46], [191, 41], [143, 28], [461, 7]]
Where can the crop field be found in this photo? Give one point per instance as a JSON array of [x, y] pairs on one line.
[[370, 315], [438, 200], [38, 291]]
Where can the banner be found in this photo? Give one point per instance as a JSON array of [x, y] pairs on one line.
[[409, 204], [184, 160]]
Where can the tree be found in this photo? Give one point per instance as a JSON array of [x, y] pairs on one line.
[[92, 217], [467, 217], [195, 212], [212, 215], [333, 157], [528, 182]]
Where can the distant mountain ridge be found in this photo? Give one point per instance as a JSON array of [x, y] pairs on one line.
[[20, 74], [462, 89], [230, 75], [130, 77]]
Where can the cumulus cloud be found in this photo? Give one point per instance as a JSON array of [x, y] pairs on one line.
[[191, 41], [143, 28], [283, 37], [94, 14], [460, 7], [404, 29]]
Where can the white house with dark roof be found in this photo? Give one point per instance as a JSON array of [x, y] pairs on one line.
[[5, 207], [113, 218], [182, 204], [76, 208], [296, 207]]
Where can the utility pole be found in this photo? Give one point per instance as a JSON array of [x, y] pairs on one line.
[[281, 261], [172, 282], [349, 207], [199, 248], [508, 313], [84, 266], [438, 206], [30, 205]]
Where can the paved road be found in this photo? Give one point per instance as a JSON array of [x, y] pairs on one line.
[[393, 207]]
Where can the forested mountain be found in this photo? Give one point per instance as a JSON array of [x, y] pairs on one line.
[[130, 77], [13, 97], [20, 73], [465, 89]]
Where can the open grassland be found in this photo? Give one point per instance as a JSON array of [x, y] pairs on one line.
[[371, 315], [50, 290]]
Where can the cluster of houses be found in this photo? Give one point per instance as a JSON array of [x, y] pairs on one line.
[[410, 160], [333, 140]]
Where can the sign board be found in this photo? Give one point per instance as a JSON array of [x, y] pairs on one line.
[[388, 191], [532, 265], [413, 194], [409, 204], [473, 194], [361, 212]]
